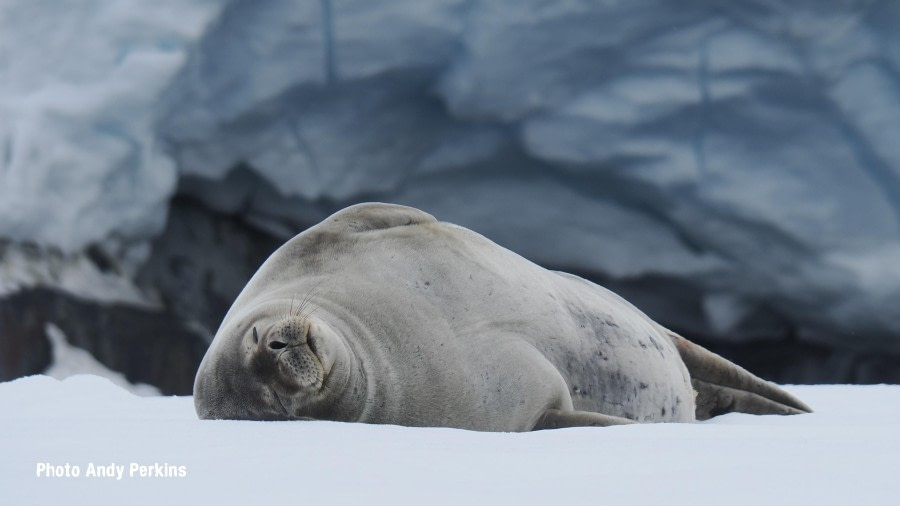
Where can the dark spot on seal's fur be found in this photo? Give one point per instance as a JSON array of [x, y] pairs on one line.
[[643, 385]]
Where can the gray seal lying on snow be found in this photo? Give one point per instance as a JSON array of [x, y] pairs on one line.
[[382, 314]]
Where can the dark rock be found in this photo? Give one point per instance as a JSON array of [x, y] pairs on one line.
[[147, 346], [202, 261]]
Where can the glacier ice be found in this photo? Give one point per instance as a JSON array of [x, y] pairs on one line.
[[742, 157], [79, 158]]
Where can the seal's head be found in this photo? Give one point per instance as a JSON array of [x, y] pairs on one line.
[[272, 369]]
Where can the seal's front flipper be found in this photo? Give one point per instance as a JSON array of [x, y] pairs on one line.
[[559, 419]]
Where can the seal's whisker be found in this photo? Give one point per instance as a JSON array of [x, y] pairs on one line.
[[310, 313], [303, 313], [307, 300], [302, 305]]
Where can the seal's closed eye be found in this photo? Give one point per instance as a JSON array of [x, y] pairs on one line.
[[255, 336]]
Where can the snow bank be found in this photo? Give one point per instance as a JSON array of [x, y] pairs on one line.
[[844, 453], [25, 266]]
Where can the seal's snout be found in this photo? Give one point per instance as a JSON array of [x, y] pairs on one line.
[[289, 332], [286, 352], [274, 341]]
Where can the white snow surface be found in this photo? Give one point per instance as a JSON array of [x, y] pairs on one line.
[[844, 453]]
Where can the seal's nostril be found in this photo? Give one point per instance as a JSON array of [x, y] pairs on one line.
[[277, 345]]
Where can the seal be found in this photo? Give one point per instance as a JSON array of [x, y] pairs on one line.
[[382, 314]]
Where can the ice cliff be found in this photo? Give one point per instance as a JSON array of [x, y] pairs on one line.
[[733, 168]]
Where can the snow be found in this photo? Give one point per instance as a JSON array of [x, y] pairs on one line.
[[844, 453], [26, 266]]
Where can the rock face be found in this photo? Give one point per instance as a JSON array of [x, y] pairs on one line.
[[147, 346], [732, 169]]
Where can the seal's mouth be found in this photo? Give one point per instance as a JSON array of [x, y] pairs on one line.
[[284, 409], [301, 367], [301, 378]]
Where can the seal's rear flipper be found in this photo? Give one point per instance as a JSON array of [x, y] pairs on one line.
[[723, 387], [559, 419]]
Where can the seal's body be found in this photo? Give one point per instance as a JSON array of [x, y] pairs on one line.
[[382, 314]]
